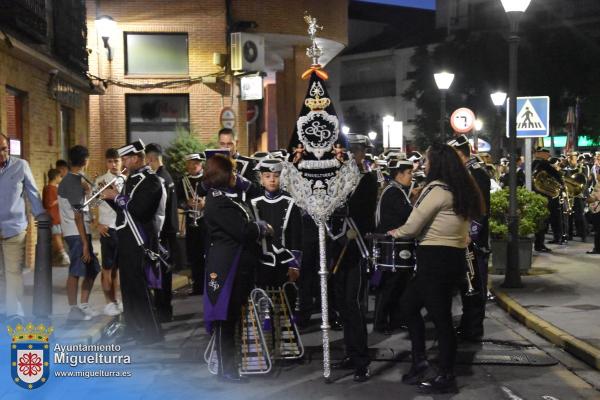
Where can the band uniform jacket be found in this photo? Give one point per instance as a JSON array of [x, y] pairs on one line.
[[360, 212], [393, 207], [233, 249], [143, 196], [283, 249], [171, 224], [483, 181], [245, 167]]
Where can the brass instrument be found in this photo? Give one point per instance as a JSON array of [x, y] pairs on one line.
[[192, 193], [94, 200], [470, 256], [546, 184], [575, 185]]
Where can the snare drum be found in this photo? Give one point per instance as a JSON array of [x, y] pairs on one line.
[[392, 254]]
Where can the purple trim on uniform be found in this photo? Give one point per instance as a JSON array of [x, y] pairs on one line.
[[272, 195], [376, 278], [474, 230], [242, 183], [153, 275], [121, 201], [218, 312], [297, 261]]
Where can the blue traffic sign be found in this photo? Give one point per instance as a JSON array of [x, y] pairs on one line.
[[533, 117]]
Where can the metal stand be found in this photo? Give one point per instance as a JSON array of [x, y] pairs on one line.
[[323, 273]]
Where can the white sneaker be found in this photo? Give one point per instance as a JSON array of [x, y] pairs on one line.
[[111, 309], [64, 259], [77, 314], [87, 310]]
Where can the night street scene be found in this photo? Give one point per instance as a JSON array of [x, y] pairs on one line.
[[285, 199]]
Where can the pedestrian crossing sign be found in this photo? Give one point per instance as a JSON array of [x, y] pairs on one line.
[[533, 117]]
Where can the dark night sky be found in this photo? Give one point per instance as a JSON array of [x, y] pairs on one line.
[[429, 4]]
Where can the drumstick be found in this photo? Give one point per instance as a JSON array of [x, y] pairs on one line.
[[350, 235]]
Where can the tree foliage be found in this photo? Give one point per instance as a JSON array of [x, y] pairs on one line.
[[559, 62]]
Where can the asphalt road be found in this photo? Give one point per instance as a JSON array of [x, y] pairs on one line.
[[511, 363]]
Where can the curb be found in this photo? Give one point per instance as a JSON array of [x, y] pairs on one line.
[[580, 349]]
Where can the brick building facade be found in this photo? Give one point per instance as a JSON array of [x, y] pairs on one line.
[[190, 32], [43, 89]]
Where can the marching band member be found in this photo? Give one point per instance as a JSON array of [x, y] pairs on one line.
[[594, 213], [393, 209], [168, 233], [349, 280], [190, 194], [230, 259], [140, 211], [473, 306], [440, 220], [577, 217], [539, 164], [244, 165], [281, 254]]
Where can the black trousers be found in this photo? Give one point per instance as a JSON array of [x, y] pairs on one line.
[[308, 283], [195, 247], [164, 296], [555, 220], [473, 305], [577, 219], [349, 287], [225, 331], [138, 308], [595, 220], [439, 271], [388, 310]]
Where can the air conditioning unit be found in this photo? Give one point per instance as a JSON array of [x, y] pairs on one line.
[[247, 52]]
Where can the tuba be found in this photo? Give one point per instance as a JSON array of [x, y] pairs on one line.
[[546, 184]]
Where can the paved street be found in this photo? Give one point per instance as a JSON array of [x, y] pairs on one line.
[[512, 363], [562, 289]]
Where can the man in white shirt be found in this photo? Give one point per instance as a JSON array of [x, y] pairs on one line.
[[107, 218]]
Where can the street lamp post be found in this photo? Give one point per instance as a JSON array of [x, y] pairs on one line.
[[514, 10], [498, 99], [443, 80]]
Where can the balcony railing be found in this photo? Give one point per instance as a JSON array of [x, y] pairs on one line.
[[27, 17], [70, 33]]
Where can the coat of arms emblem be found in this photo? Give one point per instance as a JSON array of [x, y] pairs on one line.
[[30, 355]]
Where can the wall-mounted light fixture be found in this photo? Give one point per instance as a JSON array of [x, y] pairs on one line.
[[106, 27]]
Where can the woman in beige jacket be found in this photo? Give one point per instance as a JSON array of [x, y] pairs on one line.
[[440, 222]]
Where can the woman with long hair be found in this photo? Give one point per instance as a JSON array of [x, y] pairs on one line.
[[230, 259], [440, 222]]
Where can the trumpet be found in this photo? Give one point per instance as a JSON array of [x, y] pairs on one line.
[[192, 193], [94, 200], [470, 256]]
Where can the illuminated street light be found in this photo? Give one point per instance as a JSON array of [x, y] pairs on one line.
[[345, 130], [106, 27], [498, 98], [443, 80], [372, 135]]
